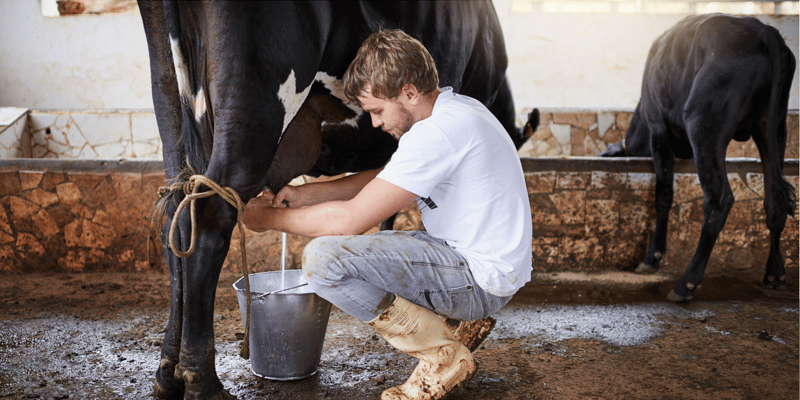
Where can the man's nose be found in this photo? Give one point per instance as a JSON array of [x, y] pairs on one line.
[[376, 122]]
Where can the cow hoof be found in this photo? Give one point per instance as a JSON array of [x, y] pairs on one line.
[[224, 395], [164, 392], [675, 297], [203, 389], [645, 269], [167, 386], [221, 395], [770, 282]]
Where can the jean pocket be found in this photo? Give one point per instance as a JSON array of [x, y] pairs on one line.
[[459, 302]]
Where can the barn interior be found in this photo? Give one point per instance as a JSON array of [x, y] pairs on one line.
[[84, 285]]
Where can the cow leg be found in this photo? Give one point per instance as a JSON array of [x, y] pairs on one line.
[[664, 165], [167, 385], [215, 222], [709, 159], [775, 272], [168, 115], [717, 202], [502, 106], [778, 201]]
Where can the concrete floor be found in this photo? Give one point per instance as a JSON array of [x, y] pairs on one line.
[[564, 336]]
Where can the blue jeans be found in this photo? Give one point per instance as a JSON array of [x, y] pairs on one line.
[[362, 274]]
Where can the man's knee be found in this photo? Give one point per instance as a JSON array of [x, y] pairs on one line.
[[319, 254]]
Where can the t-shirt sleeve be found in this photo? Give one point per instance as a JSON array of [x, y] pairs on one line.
[[424, 158]]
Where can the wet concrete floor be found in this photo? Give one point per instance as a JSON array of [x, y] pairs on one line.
[[564, 336]]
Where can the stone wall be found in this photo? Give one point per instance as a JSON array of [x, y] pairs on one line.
[[589, 214], [71, 216], [598, 214]]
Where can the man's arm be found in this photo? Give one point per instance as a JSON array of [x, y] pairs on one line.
[[344, 188], [377, 201]]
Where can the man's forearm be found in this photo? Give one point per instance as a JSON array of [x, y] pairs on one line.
[[374, 203], [329, 218], [344, 188]]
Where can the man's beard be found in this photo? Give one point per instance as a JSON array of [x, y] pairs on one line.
[[408, 121]]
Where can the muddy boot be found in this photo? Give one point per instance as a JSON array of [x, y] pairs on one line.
[[444, 362], [471, 333]]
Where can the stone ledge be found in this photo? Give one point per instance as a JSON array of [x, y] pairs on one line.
[[9, 115], [529, 164], [791, 166]]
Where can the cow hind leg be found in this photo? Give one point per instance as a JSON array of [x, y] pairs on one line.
[[779, 202], [503, 108], [717, 202], [664, 166]]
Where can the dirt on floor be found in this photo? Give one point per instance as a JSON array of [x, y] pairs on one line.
[[564, 336]]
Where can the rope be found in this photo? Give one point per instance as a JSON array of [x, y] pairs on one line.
[[190, 189]]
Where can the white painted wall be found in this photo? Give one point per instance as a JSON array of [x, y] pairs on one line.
[[75, 62], [556, 60], [592, 60]]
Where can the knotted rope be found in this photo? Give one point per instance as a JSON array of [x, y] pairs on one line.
[[191, 189]]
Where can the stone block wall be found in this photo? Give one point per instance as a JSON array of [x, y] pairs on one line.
[[589, 214], [593, 214], [76, 216]]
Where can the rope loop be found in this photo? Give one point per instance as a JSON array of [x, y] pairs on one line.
[[191, 190]]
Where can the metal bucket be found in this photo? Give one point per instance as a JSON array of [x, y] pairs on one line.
[[288, 327]]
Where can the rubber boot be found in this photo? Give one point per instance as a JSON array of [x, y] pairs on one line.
[[471, 333], [444, 363]]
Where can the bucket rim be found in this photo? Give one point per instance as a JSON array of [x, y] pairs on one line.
[[255, 293]]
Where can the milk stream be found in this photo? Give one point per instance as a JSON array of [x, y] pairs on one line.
[[283, 261]]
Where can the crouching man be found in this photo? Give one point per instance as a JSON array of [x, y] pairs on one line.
[[459, 164]]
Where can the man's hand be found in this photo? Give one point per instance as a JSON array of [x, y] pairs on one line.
[[289, 196], [260, 211], [256, 215]]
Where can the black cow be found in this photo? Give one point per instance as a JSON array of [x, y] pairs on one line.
[[709, 80], [248, 94]]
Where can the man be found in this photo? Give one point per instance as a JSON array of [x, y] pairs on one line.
[[456, 160]]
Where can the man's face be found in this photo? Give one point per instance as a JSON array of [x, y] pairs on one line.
[[391, 115]]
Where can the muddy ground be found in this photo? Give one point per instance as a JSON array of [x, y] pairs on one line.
[[564, 336]]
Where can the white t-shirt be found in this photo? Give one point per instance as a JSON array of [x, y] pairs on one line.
[[466, 171]]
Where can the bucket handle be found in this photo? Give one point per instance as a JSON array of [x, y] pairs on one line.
[[262, 295]]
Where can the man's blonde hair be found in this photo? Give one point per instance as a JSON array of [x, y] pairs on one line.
[[387, 61]]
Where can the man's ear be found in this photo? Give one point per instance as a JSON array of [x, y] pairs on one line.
[[411, 93]]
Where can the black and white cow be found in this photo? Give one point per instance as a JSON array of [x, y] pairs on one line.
[[248, 94], [709, 80]]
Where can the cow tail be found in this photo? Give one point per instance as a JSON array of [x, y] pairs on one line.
[[195, 140], [783, 65]]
